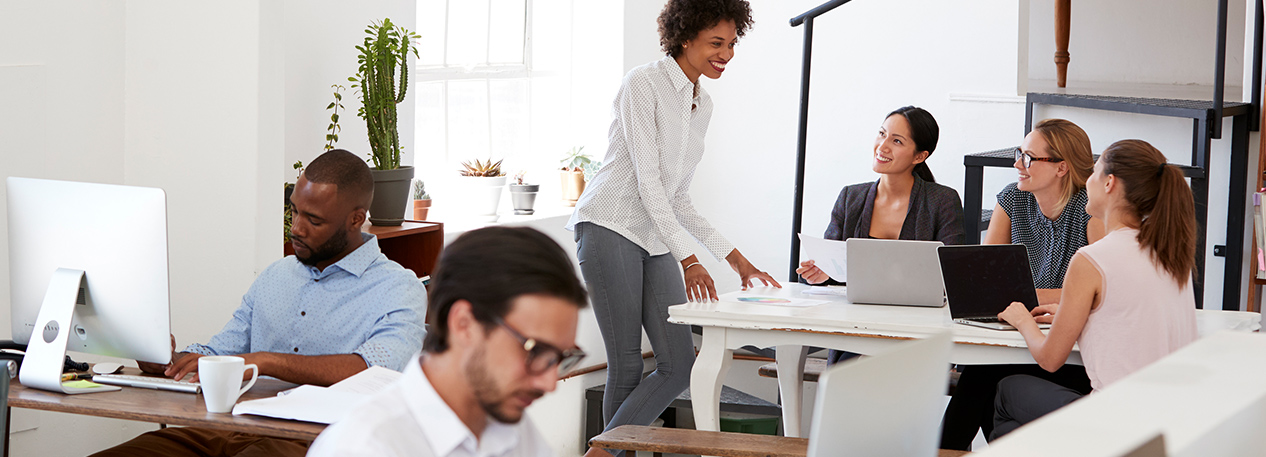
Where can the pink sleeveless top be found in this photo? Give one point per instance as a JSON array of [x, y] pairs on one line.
[[1144, 314]]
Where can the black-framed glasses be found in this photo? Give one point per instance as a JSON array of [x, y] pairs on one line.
[[541, 355], [1027, 159]]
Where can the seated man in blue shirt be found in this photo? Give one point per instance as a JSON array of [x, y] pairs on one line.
[[333, 309]]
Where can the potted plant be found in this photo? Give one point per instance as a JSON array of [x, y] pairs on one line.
[[523, 195], [484, 182], [385, 51], [578, 167], [421, 201]]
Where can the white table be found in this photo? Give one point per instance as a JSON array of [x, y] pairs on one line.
[[864, 329], [1208, 399]]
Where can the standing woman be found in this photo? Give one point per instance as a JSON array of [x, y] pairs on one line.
[[635, 220], [1127, 299]]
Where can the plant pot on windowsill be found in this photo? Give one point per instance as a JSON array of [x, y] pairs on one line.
[[420, 207], [573, 182], [391, 194], [480, 196], [524, 197]]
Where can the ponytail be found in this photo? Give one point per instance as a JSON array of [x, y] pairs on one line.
[[1159, 195], [923, 171]]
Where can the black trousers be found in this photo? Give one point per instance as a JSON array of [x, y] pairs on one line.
[[971, 408], [1023, 399]]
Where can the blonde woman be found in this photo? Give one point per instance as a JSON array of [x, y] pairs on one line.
[[1045, 210], [1128, 299]]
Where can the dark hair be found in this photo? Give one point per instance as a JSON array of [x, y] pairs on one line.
[[1159, 196], [682, 20], [489, 268], [345, 171], [924, 132]]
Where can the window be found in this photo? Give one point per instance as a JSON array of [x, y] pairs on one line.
[[472, 79]]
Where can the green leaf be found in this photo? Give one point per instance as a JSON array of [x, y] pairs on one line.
[[329, 137], [352, 79], [336, 138], [338, 96], [330, 127], [335, 118], [331, 106]]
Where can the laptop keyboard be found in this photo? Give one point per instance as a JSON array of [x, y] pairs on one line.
[[148, 382], [982, 319]]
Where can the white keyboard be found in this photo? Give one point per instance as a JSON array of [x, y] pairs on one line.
[[148, 382]]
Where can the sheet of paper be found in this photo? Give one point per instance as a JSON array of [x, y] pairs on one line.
[[829, 255], [838, 291], [765, 299], [306, 403], [368, 381]]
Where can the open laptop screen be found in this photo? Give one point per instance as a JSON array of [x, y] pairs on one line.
[[984, 280]]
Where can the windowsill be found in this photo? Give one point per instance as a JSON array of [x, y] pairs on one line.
[[456, 223]]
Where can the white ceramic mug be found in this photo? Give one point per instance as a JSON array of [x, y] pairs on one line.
[[221, 379]]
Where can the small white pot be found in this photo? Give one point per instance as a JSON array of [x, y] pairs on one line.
[[481, 196]]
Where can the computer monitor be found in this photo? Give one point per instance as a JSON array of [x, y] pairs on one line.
[[87, 272]]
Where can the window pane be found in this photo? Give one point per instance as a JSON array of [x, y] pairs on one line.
[[431, 28], [467, 32], [506, 32], [468, 130], [431, 126], [509, 113]]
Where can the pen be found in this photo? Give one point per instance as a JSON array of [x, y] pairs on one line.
[[75, 376]]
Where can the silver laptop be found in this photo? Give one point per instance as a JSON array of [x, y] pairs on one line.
[[888, 404], [894, 272], [981, 281]]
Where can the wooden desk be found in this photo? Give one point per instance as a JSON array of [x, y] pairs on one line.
[[864, 329], [163, 407]]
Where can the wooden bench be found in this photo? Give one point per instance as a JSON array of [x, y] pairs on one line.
[[649, 440], [732, 400]]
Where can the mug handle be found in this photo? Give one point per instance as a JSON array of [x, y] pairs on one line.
[[254, 376]]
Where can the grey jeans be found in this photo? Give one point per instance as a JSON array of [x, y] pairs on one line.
[[631, 290]]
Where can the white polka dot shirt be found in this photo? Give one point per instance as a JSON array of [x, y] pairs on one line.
[[655, 142], [363, 304]]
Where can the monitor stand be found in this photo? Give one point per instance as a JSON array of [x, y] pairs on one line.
[[46, 351]]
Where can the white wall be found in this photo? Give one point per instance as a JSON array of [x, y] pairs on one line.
[[195, 98]]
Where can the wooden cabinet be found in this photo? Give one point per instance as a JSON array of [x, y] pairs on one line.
[[414, 244]]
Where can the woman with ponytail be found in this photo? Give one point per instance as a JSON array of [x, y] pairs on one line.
[[1045, 210], [1127, 298], [905, 203]]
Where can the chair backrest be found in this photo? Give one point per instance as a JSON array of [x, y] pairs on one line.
[[887, 404]]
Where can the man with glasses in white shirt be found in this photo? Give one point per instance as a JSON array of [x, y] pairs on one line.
[[504, 305]]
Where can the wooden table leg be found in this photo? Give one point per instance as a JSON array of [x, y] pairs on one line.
[[790, 360], [1063, 21], [711, 366]]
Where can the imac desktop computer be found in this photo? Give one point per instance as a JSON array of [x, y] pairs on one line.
[[87, 273]]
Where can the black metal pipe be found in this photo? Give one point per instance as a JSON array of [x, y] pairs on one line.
[[1255, 116], [1219, 73], [802, 138], [820, 10]]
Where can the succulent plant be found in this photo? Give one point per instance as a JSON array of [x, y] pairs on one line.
[[419, 191], [482, 169]]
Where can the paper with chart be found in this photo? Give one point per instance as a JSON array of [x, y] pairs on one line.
[[747, 296], [831, 256]]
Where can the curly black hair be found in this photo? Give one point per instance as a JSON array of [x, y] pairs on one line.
[[682, 20]]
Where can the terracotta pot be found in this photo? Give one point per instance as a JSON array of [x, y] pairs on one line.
[[420, 207], [573, 186]]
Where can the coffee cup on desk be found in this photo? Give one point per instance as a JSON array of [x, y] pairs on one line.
[[221, 379]]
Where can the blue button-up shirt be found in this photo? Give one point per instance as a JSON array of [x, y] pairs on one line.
[[364, 304]]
